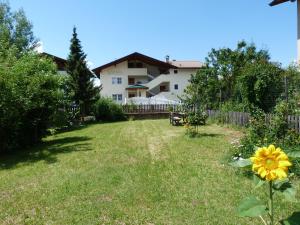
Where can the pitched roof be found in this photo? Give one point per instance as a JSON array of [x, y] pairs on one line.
[[135, 56], [277, 2], [187, 64]]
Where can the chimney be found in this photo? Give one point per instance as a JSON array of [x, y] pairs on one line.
[[167, 58]]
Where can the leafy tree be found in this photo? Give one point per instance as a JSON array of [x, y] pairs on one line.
[[227, 65], [261, 85], [29, 95], [81, 84], [203, 89], [218, 83], [15, 30]]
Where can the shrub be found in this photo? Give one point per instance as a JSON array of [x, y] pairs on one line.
[[29, 96], [106, 109]]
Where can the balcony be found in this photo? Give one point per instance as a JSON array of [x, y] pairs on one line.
[[137, 71]]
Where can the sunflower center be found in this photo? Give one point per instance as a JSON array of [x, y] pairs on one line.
[[271, 164]]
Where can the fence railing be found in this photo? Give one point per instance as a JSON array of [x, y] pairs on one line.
[[144, 109], [236, 118], [242, 119]]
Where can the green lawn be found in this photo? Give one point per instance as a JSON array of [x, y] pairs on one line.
[[136, 172]]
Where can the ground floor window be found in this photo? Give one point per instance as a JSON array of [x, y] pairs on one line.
[[131, 95], [176, 86], [117, 97]]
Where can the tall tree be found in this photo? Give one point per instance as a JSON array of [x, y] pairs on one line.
[[81, 83]]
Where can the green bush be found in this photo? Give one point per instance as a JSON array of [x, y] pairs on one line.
[[106, 109], [29, 96]]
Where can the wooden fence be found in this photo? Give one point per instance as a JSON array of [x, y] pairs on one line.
[[235, 118], [242, 119]]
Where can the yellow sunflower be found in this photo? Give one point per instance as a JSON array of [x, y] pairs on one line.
[[270, 163]]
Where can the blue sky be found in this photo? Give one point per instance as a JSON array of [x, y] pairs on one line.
[[185, 30]]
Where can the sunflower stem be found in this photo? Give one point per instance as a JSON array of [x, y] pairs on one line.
[[271, 206]]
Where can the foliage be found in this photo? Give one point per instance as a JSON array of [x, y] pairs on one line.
[[81, 84], [227, 65], [203, 89], [217, 83], [260, 85], [105, 109], [190, 130], [29, 96], [194, 120], [265, 129], [15, 31]]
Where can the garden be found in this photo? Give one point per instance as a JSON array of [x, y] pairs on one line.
[[71, 156]]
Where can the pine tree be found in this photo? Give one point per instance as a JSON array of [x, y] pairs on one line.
[[81, 84]]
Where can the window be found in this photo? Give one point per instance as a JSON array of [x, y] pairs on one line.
[[131, 81], [117, 97], [176, 86], [131, 95], [135, 65], [130, 65], [139, 65], [117, 80], [175, 71]]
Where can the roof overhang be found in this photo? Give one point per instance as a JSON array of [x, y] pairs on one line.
[[136, 87], [135, 56], [277, 2]]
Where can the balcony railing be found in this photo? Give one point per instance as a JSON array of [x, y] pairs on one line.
[[137, 71]]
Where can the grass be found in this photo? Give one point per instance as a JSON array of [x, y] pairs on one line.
[[136, 172]]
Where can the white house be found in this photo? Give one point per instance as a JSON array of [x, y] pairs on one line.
[[138, 75]]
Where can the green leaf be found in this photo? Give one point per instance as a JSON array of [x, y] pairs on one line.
[[286, 189], [292, 220], [241, 163], [279, 184], [294, 154], [252, 207], [290, 194], [258, 182]]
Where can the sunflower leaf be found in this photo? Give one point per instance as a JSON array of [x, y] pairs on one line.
[[285, 189], [258, 182], [292, 220], [251, 207], [241, 163]]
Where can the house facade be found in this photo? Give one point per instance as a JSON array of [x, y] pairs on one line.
[[138, 75]]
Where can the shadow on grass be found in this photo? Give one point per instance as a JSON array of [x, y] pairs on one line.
[[46, 151], [201, 135]]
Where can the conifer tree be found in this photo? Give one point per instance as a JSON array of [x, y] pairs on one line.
[[82, 90]]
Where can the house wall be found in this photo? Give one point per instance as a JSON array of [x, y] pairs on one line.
[[121, 70], [181, 78]]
